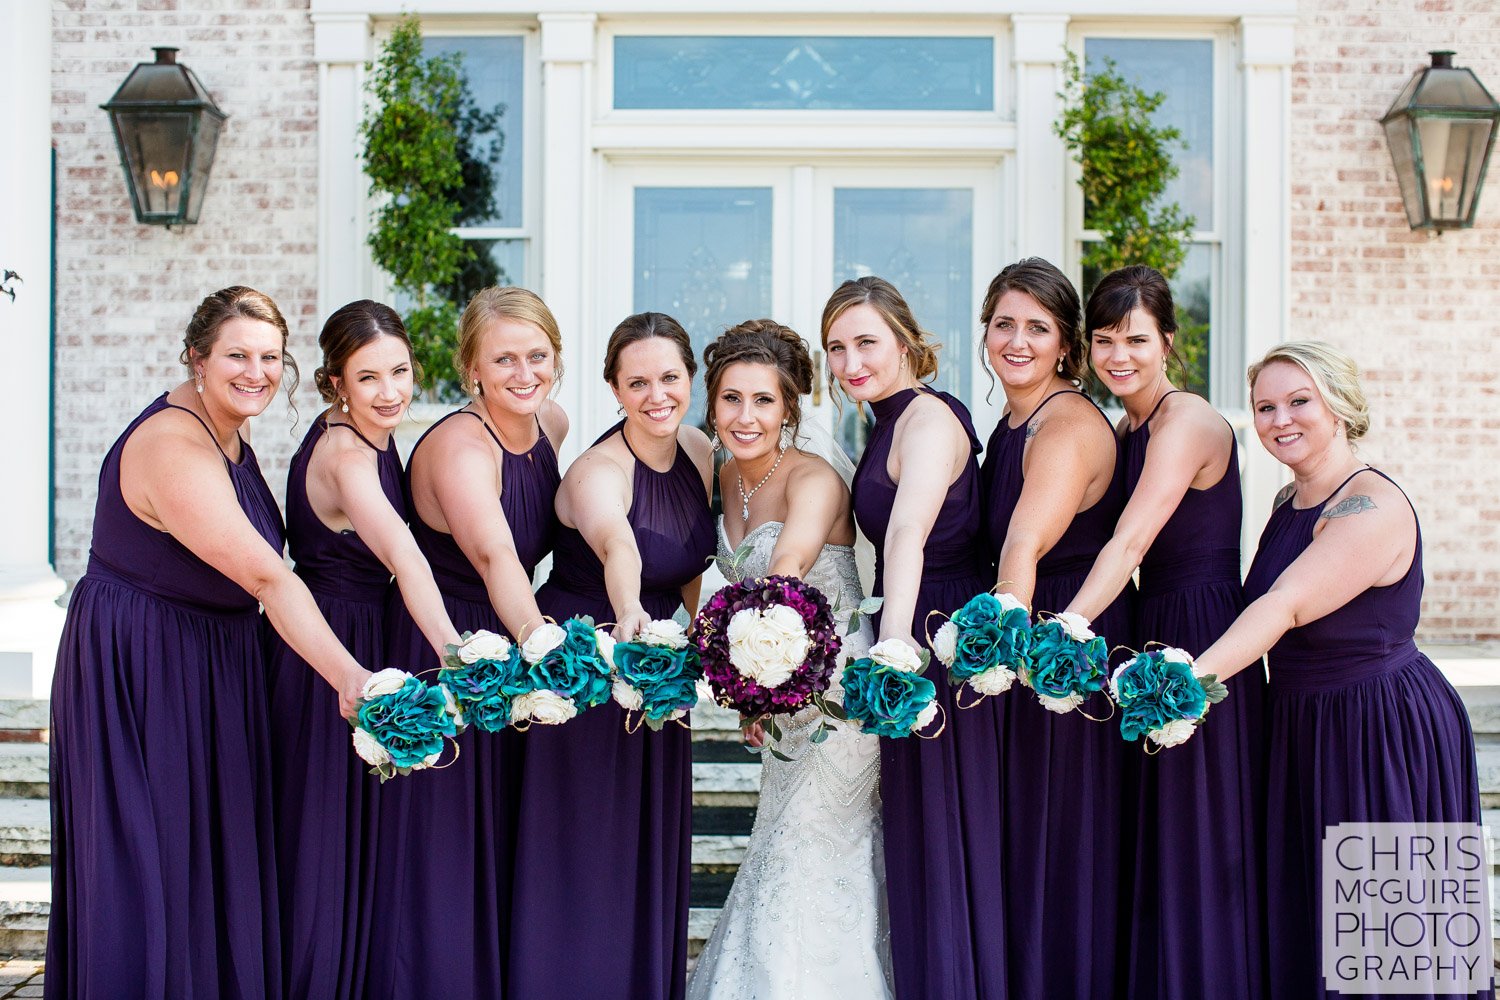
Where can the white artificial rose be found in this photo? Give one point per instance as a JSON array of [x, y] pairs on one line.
[[383, 682], [1024, 677], [1175, 732], [925, 717], [626, 696], [544, 639], [1062, 706], [428, 761], [450, 704], [1075, 625], [1010, 602], [945, 643], [1174, 655], [664, 632], [767, 646], [705, 691], [897, 655], [369, 749], [484, 645], [1114, 679], [677, 713], [996, 680], [606, 644], [547, 708]]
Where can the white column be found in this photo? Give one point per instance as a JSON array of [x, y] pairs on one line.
[[341, 47], [30, 620], [1267, 48], [567, 263], [1040, 46]]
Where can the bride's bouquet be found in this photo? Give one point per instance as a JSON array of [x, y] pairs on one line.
[[885, 693], [1162, 696], [767, 646], [402, 722], [985, 643], [1068, 662], [656, 673]]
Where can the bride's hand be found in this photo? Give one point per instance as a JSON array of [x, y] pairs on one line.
[[755, 735]]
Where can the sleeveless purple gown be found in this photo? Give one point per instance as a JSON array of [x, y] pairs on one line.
[[939, 798], [1196, 923], [603, 849], [1363, 728], [324, 795], [1062, 790], [163, 863], [443, 878]]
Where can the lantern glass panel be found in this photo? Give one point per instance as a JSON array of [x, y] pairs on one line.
[[1452, 88], [1398, 135], [209, 127], [156, 147], [1452, 155]]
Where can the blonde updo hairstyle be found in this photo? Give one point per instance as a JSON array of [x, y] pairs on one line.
[[881, 295], [494, 303], [1334, 374], [762, 342], [236, 301]]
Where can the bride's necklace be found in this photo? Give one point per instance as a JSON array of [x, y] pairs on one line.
[[745, 497]]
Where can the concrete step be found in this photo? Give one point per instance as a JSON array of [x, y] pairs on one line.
[[25, 832], [25, 714], [25, 895], [23, 770]]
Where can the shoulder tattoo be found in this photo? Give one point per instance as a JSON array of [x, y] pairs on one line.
[[1033, 427], [1350, 505], [1284, 494]]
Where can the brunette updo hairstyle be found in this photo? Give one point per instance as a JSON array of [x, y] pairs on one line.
[[1334, 374], [221, 307], [346, 331], [1120, 292], [881, 295], [1052, 291], [762, 342], [489, 304], [643, 326]]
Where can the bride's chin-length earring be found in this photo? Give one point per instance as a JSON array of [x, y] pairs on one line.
[[714, 444]]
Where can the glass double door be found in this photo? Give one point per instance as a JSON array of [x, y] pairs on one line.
[[713, 245]]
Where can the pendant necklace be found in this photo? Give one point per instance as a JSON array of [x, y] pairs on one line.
[[745, 497]]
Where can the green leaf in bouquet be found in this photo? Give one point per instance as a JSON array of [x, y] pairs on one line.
[[819, 735], [779, 755], [772, 729], [854, 620], [925, 655], [832, 709], [1212, 687], [870, 605]]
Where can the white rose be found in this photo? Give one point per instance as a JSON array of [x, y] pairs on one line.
[[945, 643], [665, 632], [1062, 706], [546, 708], [450, 703], [606, 643], [369, 749], [1024, 677], [996, 680], [1175, 732], [1114, 680], [896, 654], [925, 717], [1174, 655], [1075, 625], [428, 761], [383, 682], [1009, 602], [626, 696], [484, 645], [767, 647], [677, 713], [705, 691], [544, 639]]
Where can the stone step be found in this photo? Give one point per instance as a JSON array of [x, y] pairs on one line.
[[23, 770], [25, 714], [25, 832], [25, 895], [1483, 703]]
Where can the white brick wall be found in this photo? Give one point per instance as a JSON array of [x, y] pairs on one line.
[[1421, 314]]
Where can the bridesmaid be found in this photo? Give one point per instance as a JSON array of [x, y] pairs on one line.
[[916, 497], [1181, 527], [1363, 727], [603, 851], [480, 488], [163, 867], [347, 534], [1051, 498]]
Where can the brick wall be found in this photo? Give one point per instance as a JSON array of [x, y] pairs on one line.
[[125, 291], [1420, 314]]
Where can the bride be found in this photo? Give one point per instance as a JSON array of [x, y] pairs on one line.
[[806, 917]]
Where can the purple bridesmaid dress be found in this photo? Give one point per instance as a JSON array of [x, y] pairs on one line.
[[940, 803], [163, 862], [324, 795], [1363, 728], [1196, 926], [442, 891], [1062, 788], [603, 848]]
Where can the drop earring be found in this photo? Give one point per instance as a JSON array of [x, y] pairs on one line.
[[714, 444], [198, 381], [786, 436], [345, 407]]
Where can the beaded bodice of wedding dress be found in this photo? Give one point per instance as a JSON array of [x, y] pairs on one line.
[[806, 917]]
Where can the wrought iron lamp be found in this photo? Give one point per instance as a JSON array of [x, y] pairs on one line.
[[1441, 130], [167, 127]]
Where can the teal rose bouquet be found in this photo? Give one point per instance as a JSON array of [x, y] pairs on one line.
[[885, 693], [566, 672], [985, 643], [656, 673], [1068, 662], [402, 722], [1162, 697], [483, 672]]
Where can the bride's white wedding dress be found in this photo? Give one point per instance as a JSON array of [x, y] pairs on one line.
[[806, 918]]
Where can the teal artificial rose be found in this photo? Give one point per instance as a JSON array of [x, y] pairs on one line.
[[410, 723], [883, 700], [574, 669], [667, 679], [1182, 694], [483, 690], [1062, 665], [982, 609], [1140, 678]]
